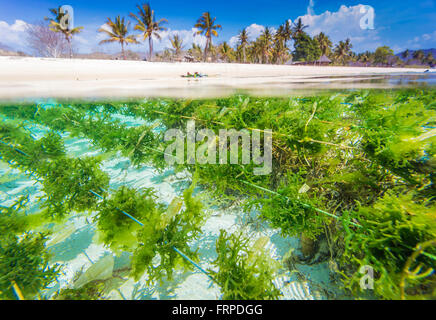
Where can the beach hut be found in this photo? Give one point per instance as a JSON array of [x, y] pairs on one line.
[[188, 58], [323, 61]]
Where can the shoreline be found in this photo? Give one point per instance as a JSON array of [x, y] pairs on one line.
[[33, 78]]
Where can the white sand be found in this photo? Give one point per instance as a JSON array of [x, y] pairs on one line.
[[43, 77]]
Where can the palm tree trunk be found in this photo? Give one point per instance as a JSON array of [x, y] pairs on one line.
[[205, 49], [245, 57], [150, 48], [69, 46], [122, 51]]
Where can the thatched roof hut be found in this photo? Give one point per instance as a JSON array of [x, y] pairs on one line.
[[324, 60]]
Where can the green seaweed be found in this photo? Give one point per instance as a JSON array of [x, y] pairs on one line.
[[117, 230], [25, 261], [244, 273], [164, 232]]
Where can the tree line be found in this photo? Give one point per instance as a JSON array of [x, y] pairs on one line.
[[290, 42]]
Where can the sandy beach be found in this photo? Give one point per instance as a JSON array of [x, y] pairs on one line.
[[29, 78]]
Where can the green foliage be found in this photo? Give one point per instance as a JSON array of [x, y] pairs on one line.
[[382, 55], [90, 291], [391, 229], [244, 273], [23, 152], [289, 210], [117, 230], [25, 261], [12, 219], [306, 48], [335, 155], [158, 238], [394, 137], [68, 182]]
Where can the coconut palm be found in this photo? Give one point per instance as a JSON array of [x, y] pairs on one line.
[[419, 55], [363, 58], [280, 34], [206, 25], [405, 54], [343, 51], [243, 42], [324, 42], [166, 55], [147, 24], [118, 32], [279, 49], [196, 52], [177, 44], [287, 31], [279, 52], [266, 41], [366, 57], [429, 59], [58, 25], [298, 28], [226, 52], [255, 51]]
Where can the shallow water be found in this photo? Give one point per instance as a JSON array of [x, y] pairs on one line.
[[75, 247]]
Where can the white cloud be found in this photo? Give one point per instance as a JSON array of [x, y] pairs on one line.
[[188, 37], [13, 35], [342, 24], [88, 41], [338, 25], [253, 32]]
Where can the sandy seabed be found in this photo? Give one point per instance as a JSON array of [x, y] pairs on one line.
[[29, 78]]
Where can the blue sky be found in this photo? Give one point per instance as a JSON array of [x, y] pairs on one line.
[[399, 24]]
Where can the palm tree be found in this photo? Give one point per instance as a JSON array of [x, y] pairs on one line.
[[177, 44], [196, 52], [255, 51], [57, 25], [405, 54], [280, 34], [429, 59], [363, 58], [324, 42], [118, 33], [366, 57], [419, 55], [343, 51], [299, 28], [243, 42], [226, 51], [146, 23], [266, 40], [206, 25], [287, 31], [279, 50]]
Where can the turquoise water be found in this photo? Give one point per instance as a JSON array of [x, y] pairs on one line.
[[75, 247]]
